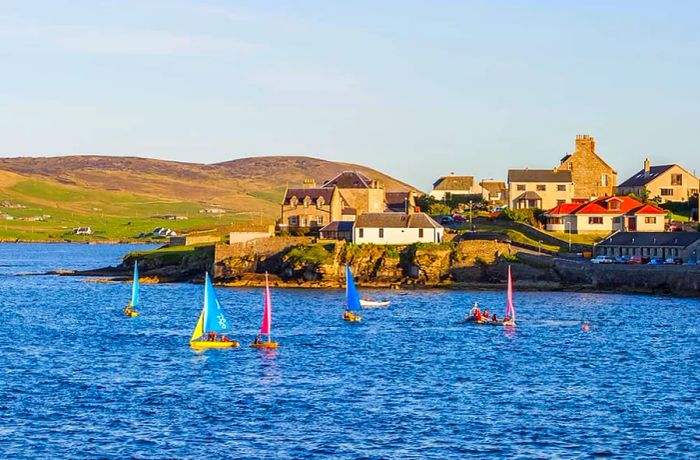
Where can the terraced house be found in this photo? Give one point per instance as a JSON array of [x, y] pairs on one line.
[[539, 188]]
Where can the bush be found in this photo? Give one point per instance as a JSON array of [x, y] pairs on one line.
[[534, 217], [316, 254]]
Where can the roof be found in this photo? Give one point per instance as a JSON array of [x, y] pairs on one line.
[[397, 201], [642, 178], [538, 175], [338, 226], [530, 195], [313, 193], [454, 183], [349, 179], [395, 220], [628, 205], [674, 239], [348, 211], [493, 186]]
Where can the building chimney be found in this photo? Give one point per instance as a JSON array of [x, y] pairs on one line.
[[647, 166], [585, 141], [309, 183]]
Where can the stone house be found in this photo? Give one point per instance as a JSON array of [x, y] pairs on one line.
[[450, 186], [591, 175], [309, 207], [397, 228], [685, 245], [605, 215], [539, 188], [667, 182]]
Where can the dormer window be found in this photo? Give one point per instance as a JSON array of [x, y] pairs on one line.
[[307, 201], [320, 201], [613, 204], [294, 201]]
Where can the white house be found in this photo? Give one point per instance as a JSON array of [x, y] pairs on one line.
[[450, 186], [396, 228]]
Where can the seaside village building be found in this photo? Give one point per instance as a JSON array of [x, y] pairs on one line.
[[333, 208], [451, 186], [605, 215], [684, 245], [494, 192], [581, 176], [667, 182], [397, 228]]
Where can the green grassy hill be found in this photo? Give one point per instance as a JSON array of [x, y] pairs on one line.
[[121, 197]]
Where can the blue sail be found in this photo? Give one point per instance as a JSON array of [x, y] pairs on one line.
[[214, 319], [135, 286], [351, 294]]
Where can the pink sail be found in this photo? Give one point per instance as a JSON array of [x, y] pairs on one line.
[[267, 310], [510, 308]]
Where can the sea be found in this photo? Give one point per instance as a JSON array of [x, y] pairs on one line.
[[412, 381]]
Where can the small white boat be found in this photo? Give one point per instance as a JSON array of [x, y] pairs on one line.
[[374, 303]]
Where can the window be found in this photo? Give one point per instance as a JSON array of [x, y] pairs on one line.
[[304, 222], [617, 220], [613, 204], [307, 202], [676, 179], [561, 201], [555, 220], [595, 221], [521, 187], [561, 188], [362, 233], [666, 192], [293, 221], [650, 220], [381, 233], [570, 166], [319, 220], [420, 233], [541, 187], [604, 180]]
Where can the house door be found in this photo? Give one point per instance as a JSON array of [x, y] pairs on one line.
[[631, 224]]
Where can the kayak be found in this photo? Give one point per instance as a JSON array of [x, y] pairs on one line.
[[374, 303]]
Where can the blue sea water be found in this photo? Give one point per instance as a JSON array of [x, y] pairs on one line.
[[80, 380]]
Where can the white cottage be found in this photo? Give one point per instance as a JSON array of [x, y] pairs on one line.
[[396, 228]]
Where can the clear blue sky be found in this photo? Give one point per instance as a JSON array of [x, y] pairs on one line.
[[416, 89]]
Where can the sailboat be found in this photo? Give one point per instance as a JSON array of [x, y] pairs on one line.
[[211, 322], [130, 309], [509, 319], [352, 298], [266, 322]]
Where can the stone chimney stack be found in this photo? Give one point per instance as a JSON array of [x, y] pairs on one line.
[[585, 141], [647, 166], [309, 183]]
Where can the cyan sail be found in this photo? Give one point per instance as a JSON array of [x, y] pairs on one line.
[[351, 294], [214, 319], [135, 286]]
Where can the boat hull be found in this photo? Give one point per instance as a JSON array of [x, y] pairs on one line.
[[488, 322], [352, 318], [204, 344], [373, 303], [264, 345], [131, 314]]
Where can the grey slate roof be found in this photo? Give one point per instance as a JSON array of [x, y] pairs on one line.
[[349, 179], [530, 195], [672, 239], [397, 201], [641, 178], [395, 220], [338, 226], [313, 193], [454, 183], [538, 175]]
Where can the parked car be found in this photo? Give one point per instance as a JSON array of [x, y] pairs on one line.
[[638, 260], [458, 218], [603, 260], [656, 261], [691, 262], [673, 261], [447, 220], [621, 259]]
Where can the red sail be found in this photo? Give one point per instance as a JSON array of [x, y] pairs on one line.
[[267, 310]]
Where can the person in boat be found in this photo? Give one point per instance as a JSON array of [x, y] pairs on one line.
[[486, 314], [258, 339], [476, 312], [494, 319], [211, 336]]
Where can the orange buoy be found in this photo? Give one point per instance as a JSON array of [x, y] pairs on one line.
[[585, 327]]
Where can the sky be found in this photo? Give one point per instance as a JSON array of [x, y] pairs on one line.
[[416, 89]]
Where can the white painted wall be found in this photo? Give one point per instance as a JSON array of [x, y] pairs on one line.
[[398, 235]]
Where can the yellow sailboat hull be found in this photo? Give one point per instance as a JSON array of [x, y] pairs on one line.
[[264, 345], [131, 313], [352, 318], [203, 344]]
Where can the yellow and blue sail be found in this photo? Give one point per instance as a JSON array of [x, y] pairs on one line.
[[214, 319], [351, 294], [135, 286]]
